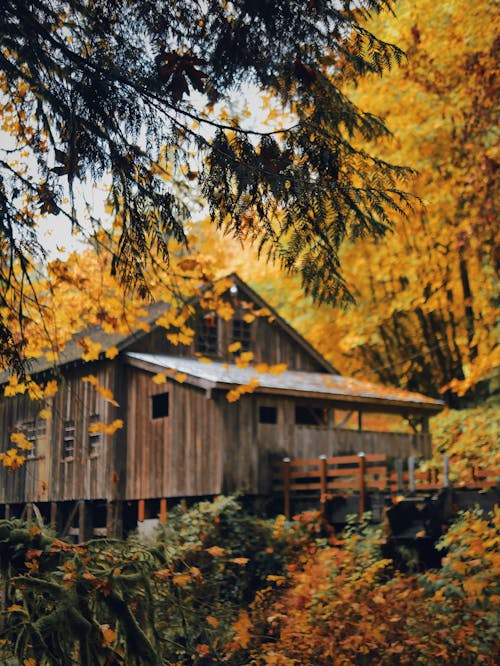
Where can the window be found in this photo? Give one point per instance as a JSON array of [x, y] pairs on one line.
[[33, 430], [242, 333], [206, 340], [69, 440], [160, 405], [268, 414], [94, 438], [28, 429], [310, 415]]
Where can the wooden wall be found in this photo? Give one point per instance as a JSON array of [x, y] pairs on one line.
[[269, 343], [174, 456], [50, 475]]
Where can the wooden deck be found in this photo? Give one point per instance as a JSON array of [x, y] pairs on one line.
[[363, 476]]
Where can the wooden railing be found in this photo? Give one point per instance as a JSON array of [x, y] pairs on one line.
[[340, 474], [361, 474]]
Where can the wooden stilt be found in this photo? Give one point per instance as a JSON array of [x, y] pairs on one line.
[[163, 511], [141, 510], [53, 516]]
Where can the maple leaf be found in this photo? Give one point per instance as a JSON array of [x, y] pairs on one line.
[[216, 551], [242, 629], [159, 378]]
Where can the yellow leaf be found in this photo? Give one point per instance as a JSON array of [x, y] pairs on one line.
[[242, 629], [248, 318], [212, 621], [107, 394], [180, 377], [90, 379], [91, 350], [232, 396], [181, 579], [112, 352], [45, 414], [14, 607], [51, 388], [240, 560], [278, 368], [234, 347], [108, 635], [19, 439], [216, 551], [159, 378]]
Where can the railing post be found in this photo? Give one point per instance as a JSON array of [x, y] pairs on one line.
[[322, 483], [399, 475], [286, 486], [362, 489], [411, 474], [446, 471]]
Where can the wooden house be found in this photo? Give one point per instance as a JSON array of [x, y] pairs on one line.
[[183, 438]]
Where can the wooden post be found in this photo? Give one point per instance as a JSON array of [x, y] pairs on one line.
[[29, 513], [114, 518], [141, 510], [411, 474], [163, 511], [286, 486], [7, 511], [322, 483], [85, 527], [399, 475], [446, 471], [362, 489], [53, 516], [360, 421]]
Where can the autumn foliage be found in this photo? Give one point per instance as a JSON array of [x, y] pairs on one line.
[[220, 586]]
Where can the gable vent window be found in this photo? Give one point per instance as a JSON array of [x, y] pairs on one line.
[[34, 430], [159, 405], [206, 340], [94, 440], [69, 440], [313, 416], [268, 414], [242, 333]]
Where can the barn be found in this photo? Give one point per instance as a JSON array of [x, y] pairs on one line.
[[184, 434]]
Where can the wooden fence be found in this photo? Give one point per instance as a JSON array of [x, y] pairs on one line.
[[361, 474]]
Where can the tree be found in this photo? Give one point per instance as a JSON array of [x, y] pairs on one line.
[[427, 297], [132, 92]]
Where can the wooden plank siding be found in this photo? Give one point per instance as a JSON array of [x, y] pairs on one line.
[[173, 456], [269, 344], [51, 476]]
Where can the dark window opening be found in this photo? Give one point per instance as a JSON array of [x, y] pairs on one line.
[[268, 414], [206, 340], [242, 333], [69, 439], [160, 405], [310, 415]]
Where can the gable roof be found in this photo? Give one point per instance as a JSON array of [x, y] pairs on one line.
[[72, 353], [324, 386]]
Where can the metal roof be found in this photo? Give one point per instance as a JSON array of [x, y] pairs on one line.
[[326, 386]]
